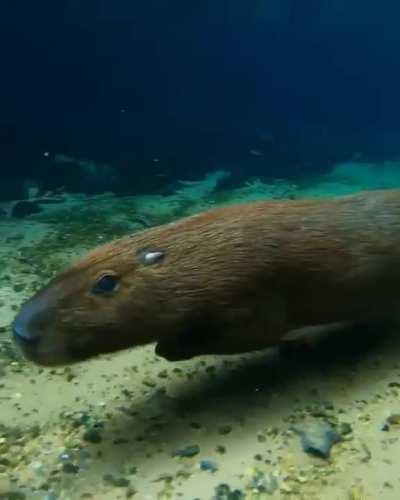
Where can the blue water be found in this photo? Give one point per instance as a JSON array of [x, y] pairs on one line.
[[195, 84]]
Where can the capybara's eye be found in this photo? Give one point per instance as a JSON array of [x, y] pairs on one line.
[[105, 284]]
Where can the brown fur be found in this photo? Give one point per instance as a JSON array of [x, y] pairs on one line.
[[233, 279]]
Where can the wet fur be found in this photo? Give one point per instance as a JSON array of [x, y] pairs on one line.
[[234, 279]]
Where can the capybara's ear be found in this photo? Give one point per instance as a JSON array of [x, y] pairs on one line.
[[150, 256]]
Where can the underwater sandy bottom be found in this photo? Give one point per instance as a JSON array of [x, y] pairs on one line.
[[132, 425]]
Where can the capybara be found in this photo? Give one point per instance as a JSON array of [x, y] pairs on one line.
[[230, 280]]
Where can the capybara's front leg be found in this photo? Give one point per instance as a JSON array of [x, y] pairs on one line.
[[233, 341]]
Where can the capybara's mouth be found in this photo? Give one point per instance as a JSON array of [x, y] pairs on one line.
[[30, 333], [33, 349], [27, 344]]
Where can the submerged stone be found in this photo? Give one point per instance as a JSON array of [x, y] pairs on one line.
[[223, 492], [70, 468], [263, 483], [92, 436], [318, 438], [13, 495], [187, 451], [119, 482], [208, 465]]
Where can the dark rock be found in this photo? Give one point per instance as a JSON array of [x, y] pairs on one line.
[[13, 495], [345, 429], [92, 436], [120, 482], [263, 483], [208, 465], [225, 429], [24, 208], [392, 421], [70, 468], [223, 492], [318, 438], [187, 451]]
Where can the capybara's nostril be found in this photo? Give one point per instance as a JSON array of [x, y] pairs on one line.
[[22, 331], [24, 336], [26, 327]]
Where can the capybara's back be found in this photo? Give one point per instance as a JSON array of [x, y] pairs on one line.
[[230, 280]]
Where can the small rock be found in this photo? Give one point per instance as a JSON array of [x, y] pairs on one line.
[[318, 438], [13, 495], [187, 451], [345, 429], [92, 436], [121, 440], [224, 492], [130, 492], [120, 482], [225, 429], [208, 465], [261, 438], [263, 483], [149, 382], [394, 419], [70, 468]]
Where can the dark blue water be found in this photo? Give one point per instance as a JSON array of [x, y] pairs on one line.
[[198, 85]]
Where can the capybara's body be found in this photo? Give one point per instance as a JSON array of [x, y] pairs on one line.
[[230, 280]]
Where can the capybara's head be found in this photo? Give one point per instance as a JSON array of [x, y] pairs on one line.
[[112, 299]]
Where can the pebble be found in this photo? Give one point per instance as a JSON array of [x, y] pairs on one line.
[[223, 492], [13, 495], [263, 483], [119, 481], [70, 468], [92, 436], [394, 419], [208, 465], [345, 429], [187, 451], [318, 438]]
